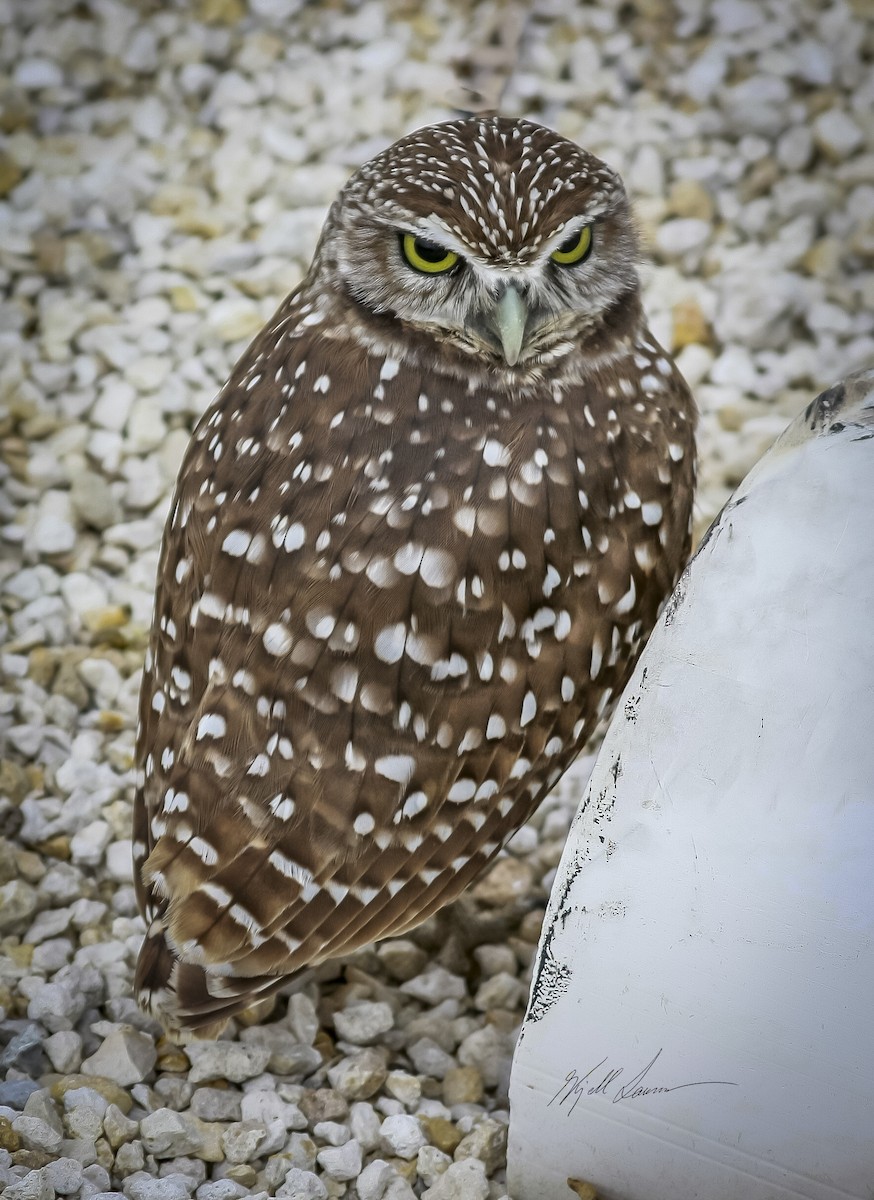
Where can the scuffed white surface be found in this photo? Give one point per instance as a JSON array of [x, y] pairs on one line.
[[713, 906]]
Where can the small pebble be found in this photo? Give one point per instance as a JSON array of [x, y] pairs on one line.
[[402, 1135]]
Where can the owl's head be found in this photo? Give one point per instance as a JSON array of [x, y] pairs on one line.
[[497, 236]]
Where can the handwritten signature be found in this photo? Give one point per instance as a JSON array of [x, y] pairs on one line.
[[606, 1084]]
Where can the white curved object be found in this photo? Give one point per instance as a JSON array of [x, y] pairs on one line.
[[701, 1022]]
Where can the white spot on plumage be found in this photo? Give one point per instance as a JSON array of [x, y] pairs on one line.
[[461, 791], [282, 807], [175, 801], [496, 727], [464, 519], [381, 572], [289, 868], [472, 738], [437, 568], [494, 454], [354, 759], [245, 681], [211, 605], [181, 678], [397, 767], [444, 735], [597, 658], [277, 639], [529, 709], [260, 765], [294, 537], [211, 725], [207, 853], [344, 681], [408, 558], [320, 623], [508, 670], [449, 668], [388, 646], [651, 512], [219, 895], [364, 824], [237, 542], [415, 803], [242, 917], [626, 602]]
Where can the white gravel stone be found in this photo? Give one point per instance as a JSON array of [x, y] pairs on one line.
[[363, 1023], [402, 1135], [431, 1163], [65, 1175], [435, 985], [374, 1179], [125, 1056], [34, 74], [226, 1060], [36, 1134], [364, 1123], [220, 1189], [34, 1186], [488, 1051], [464, 1180], [64, 1050], [87, 846], [682, 235], [243, 1141], [837, 134], [57, 1006], [302, 1185], [18, 901], [332, 1132], [53, 534], [267, 1106], [341, 1162], [218, 1104], [166, 1133], [119, 862], [171, 1187]]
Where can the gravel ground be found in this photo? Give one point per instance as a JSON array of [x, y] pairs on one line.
[[164, 173]]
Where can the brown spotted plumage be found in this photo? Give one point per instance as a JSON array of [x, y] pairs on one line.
[[416, 546]]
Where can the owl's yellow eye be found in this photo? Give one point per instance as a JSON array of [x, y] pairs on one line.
[[574, 248], [426, 256]]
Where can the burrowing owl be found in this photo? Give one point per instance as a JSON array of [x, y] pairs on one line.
[[415, 547]]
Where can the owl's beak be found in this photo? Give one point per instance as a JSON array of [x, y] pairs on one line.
[[508, 319]]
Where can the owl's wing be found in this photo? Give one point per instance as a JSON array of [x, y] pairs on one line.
[[320, 766], [363, 674]]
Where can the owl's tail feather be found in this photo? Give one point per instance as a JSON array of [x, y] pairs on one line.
[[187, 998]]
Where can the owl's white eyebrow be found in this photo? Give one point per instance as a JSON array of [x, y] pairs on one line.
[[568, 230], [434, 230]]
